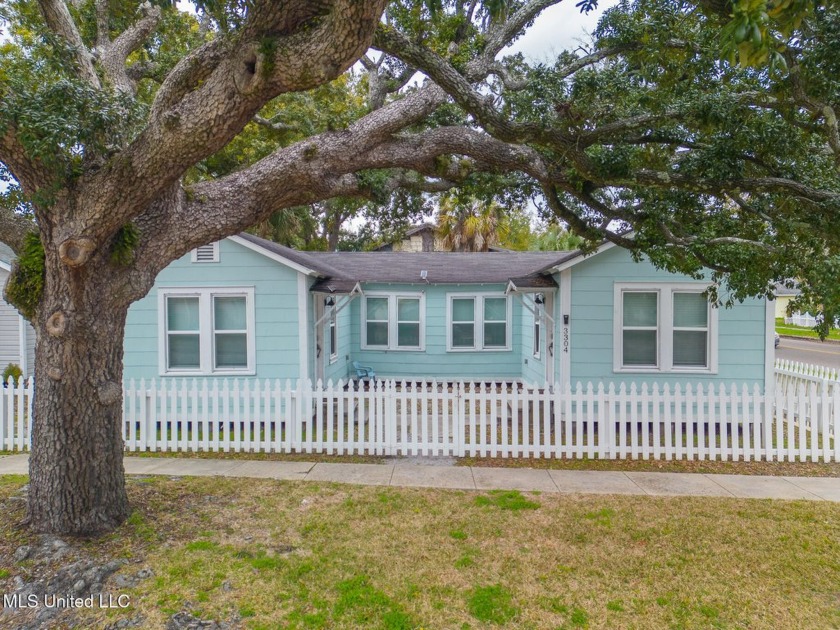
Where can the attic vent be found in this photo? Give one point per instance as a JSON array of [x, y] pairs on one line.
[[206, 253]]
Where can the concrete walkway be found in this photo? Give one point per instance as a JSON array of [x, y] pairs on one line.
[[428, 475]]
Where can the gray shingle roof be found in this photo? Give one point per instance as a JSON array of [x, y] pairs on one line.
[[342, 270]]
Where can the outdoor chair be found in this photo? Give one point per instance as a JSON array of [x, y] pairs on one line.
[[364, 372]]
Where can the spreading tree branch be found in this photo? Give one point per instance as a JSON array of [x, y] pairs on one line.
[[58, 19]]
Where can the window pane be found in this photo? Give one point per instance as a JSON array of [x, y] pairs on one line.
[[408, 335], [640, 347], [463, 310], [184, 351], [463, 335], [377, 333], [377, 308], [495, 309], [536, 337], [182, 313], [408, 310], [232, 350], [639, 309], [690, 348], [229, 313], [333, 343], [691, 310], [495, 335]]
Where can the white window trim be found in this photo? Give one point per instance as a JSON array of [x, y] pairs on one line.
[[664, 329], [537, 330], [205, 330], [332, 334], [392, 321], [478, 322], [194, 254]]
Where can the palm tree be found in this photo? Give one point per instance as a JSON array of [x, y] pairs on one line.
[[556, 238], [471, 225]]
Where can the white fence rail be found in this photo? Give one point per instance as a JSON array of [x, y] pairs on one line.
[[696, 422], [801, 319], [790, 375]]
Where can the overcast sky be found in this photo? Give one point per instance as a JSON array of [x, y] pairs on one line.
[[558, 28]]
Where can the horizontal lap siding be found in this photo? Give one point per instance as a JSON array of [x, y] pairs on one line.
[[9, 330], [741, 329], [436, 362], [275, 301]]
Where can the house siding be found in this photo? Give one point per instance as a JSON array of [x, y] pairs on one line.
[[9, 330], [275, 302], [436, 362], [741, 330]]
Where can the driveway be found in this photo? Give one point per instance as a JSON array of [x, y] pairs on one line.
[[807, 351]]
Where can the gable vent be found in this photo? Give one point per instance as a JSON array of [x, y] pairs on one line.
[[206, 253]]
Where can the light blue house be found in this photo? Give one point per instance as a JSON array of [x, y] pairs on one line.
[[247, 307]]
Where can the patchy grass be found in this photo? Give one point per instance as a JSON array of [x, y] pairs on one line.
[[491, 604], [802, 331], [287, 554], [506, 500], [776, 469]]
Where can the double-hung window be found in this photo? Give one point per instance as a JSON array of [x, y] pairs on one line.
[[664, 328], [479, 322], [207, 331], [393, 321]]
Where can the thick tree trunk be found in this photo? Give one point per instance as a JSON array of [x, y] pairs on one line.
[[77, 482]]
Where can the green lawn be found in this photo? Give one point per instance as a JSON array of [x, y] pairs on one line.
[[281, 554], [802, 331]]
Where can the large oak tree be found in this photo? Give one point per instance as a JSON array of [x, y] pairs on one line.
[[111, 112]]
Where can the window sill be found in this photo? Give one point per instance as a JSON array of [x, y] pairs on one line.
[[386, 349], [478, 349], [217, 373], [672, 371]]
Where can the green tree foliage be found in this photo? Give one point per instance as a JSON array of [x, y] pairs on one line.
[[556, 238]]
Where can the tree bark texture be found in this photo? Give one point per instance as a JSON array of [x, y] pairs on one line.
[[77, 483]]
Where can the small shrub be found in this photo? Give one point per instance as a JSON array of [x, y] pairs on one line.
[[12, 370]]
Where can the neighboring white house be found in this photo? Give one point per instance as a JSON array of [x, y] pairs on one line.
[[17, 337]]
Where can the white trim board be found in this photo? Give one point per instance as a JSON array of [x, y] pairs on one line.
[[303, 327], [571, 262], [769, 347], [272, 255], [565, 339]]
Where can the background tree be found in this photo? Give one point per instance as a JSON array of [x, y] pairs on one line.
[[472, 225], [127, 134], [556, 238]]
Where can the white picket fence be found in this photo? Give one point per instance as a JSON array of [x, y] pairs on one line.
[[801, 319], [696, 422], [793, 374]]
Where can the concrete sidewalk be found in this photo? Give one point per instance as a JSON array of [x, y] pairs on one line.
[[412, 474]]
